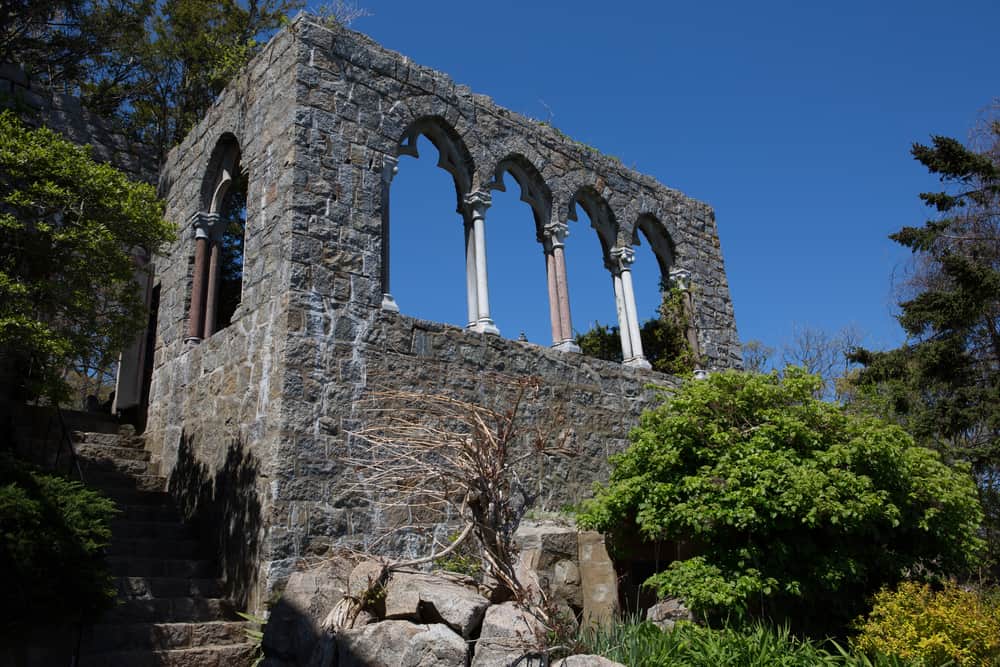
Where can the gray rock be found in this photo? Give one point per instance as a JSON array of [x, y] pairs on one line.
[[508, 633], [437, 646], [667, 612], [375, 645], [430, 599], [363, 577], [294, 627]]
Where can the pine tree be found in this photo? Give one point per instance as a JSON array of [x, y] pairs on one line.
[[943, 384]]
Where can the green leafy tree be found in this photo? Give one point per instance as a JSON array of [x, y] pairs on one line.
[[796, 509], [943, 384], [664, 341], [68, 226]]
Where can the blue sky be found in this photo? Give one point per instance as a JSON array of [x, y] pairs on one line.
[[792, 119]]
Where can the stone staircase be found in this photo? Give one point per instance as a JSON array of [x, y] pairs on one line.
[[171, 609]]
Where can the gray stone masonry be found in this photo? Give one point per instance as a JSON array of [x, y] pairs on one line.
[[319, 115]]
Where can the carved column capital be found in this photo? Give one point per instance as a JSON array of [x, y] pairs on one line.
[[390, 167], [476, 203], [623, 257], [555, 234], [206, 225], [681, 278]]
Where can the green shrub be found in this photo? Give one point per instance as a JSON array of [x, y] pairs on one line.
[[798, 511], [53, 532], [951, 624], [642, 644]]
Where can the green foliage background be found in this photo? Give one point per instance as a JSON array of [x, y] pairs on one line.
[[53, 532], [67, 278], [797, 509]]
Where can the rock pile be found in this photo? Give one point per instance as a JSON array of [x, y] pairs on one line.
[[361, 615]]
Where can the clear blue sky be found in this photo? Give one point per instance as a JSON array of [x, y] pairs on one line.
[[792, 119]]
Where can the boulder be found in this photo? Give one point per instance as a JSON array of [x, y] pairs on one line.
[[508, 633], [586, 661], [667, 612], [294, 633], [400, 644], [437, 646], [364, 575], [434, 599], [375, 645], [347, 615]]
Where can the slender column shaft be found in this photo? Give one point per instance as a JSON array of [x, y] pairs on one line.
[[482, 281], [214, 280], [471, 281], [559, 259], [628, 296], [389, 169], [196, 316], [476, 204], [554, 314], [623, 329]]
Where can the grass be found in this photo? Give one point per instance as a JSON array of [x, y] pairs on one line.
[[642, 644]]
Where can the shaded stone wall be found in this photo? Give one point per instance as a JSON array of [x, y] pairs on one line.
[[320, 116], [37, 106]]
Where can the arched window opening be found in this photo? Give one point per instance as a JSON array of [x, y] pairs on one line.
[[595, 316], [520, 254], [233, 221], [663, 305], [427, 256], [219, 228]]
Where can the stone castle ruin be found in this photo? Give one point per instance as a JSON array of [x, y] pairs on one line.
[[250, 403]]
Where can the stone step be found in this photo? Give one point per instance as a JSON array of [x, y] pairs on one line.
[[106, 637], [97, 452], [133, 566], [91, 466], [148, 513], [236, 655], [168, 587], [104, 439], [111, 481], [170, 610], [153, 547], [164, 530], [125, 496]]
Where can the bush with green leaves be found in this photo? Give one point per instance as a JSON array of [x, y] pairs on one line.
[[946, 626], [68, 225], [664, 341], [53, 532], [796, 509]]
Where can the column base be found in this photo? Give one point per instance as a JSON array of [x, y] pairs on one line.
[[638, 362], [486, 326], [567, 346], [388, 303]]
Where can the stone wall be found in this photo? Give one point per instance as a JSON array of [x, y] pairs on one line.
[[251, 423], [63, 113]]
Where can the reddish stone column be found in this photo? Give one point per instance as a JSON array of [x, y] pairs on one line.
[[199, 284], [214, 280], [562, 323]]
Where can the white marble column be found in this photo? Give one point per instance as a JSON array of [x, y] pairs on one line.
[[390, 167], [562, 322], [476, 204], [623, 330], [625, 256], [471, 289]]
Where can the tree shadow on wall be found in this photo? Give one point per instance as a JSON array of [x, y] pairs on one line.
[[225, 509]]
